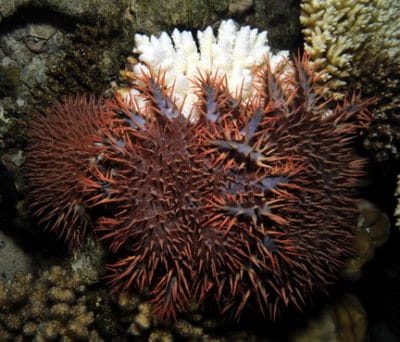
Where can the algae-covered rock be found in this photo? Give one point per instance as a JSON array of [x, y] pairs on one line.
[[90, 10], [281, 19], [156, 15], [52, 48], [13, 257]]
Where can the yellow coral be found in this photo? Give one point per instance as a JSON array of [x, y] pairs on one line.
[[57, 294], [343, 35], [160, 336], [44, 308]]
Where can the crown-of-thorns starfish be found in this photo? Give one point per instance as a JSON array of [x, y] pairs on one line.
[[244, 202]]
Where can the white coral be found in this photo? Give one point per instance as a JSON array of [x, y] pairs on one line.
[[235, 52]]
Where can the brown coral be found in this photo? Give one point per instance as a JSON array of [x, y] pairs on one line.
[[47, 308]]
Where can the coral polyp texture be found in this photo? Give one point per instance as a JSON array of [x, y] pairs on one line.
[[357, 46], [59, 153]]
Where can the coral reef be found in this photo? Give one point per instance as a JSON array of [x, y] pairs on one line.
[[251, 204], [357, 46], [42, 61], [341, 36], [47, 308], [136, 318], [382, 138], [57, 305]]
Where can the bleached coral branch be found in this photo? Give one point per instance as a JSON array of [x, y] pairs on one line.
[[235, 52]]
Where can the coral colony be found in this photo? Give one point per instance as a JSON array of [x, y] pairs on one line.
[[236, 198], [234, 54]]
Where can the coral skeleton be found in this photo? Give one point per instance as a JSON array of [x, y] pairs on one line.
[[234, 52]]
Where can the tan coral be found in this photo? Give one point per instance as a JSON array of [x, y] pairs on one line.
[[344, 35], [160, 336], [56, 305], [45, 308], [342, 321], [191, 327], [356, 45], [371, 232]]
